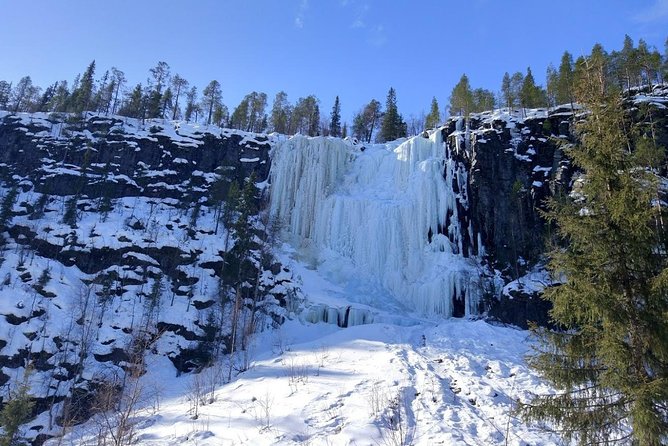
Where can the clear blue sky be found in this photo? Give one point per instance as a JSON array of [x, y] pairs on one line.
[[356, 49]]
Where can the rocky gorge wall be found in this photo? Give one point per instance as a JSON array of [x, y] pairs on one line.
[[113, 244], [142, 257]]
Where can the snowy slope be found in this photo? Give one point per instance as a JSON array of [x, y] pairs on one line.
[[449, 382]]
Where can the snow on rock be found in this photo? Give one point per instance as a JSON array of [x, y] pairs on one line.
[[387, 214]]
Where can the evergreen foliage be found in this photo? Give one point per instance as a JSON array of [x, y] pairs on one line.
[[365, 122], [531, 95], [609, 358], [70, 215], [16, 411], [211, 98], [179, 85], [81, 96], [5, 94], [392, 126], [249, 115], [280, 113], [461, 98], [506, 91], [434, 117], [335, 123], [564, 84], [7, 206], [306, 116], [192, 108]]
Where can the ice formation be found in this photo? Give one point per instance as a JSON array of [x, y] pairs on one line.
[[387, 214]]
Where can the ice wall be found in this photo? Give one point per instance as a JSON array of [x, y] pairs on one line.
[[388, 214]]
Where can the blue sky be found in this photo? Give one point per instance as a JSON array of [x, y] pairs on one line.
[[354, 48]]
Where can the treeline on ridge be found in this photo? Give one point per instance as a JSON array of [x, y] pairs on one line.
[[170, 96]]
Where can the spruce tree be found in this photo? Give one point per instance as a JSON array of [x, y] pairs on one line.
[[70, 214], [281, 111], [134, 104], [507, 91], [461, 98], [434, 116], [7, 206], [564, 93], [552, 78], [608, 359], [335, 124], [82, 96], [531, 95], [16, 411], [5, 94], [392, 125], [211, 98], [483, 100]]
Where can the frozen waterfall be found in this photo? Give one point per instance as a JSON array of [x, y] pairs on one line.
[[388, 214]]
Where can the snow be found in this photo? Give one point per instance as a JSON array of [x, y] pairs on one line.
[[453, 382], [358, 227], [367, 215]]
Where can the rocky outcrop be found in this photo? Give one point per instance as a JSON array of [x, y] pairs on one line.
[[135, 271]]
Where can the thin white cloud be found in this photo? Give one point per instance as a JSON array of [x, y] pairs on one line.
[[358, 23], [301, 12], [657, 12], [359, 19], [377, 36]]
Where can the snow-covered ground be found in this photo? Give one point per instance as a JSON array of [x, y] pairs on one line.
[[449, 382]]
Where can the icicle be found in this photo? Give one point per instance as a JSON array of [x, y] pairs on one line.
[[383, 209]]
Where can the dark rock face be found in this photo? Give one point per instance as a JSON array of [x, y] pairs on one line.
[[82, 300], [513, 164], [123, 159]]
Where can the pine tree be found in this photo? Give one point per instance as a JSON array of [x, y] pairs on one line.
[[609, 358], [119, 81], [366, 121], [281, 112], [5, 94], [191, 104], [335, 124], [21, 94], [306, 116], [16, 411], [70, 216], [564, 87], [211, 98], [221, 116], [461, 98], [434, 116], [179, 85], [239, 117], [82, 96], [160, 75], [628, 68], [134, 104], [7, 206], [482, 100], [552, 77], [392, 125], [167, 103], [531, 95], [507, 91]]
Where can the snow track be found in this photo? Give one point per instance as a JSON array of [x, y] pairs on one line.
[[450, 384]]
